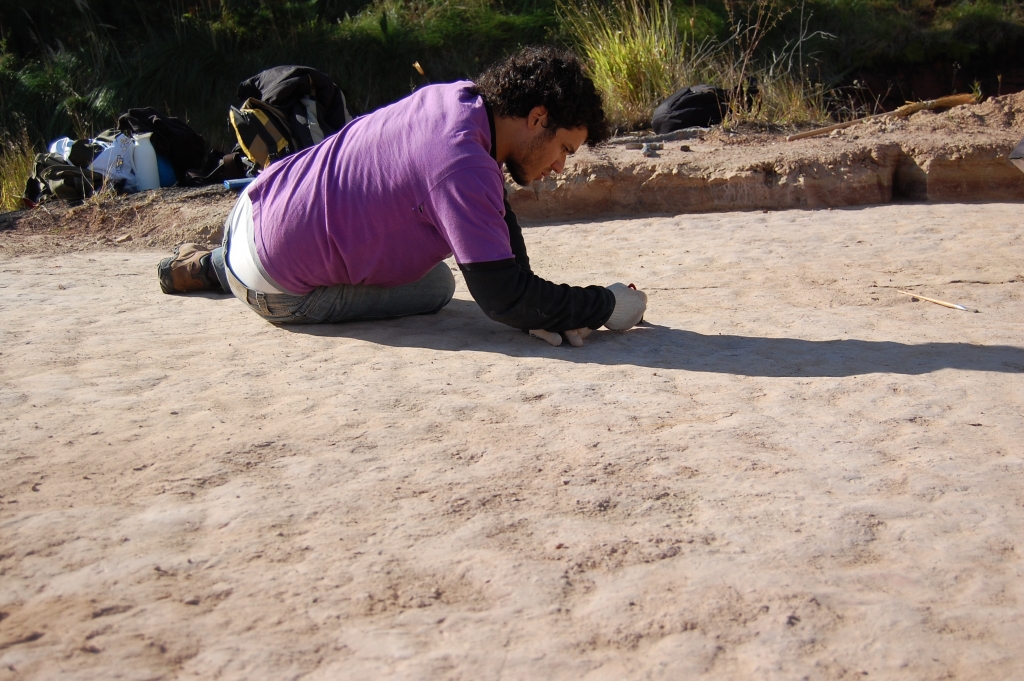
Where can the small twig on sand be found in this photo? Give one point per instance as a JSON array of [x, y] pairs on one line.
[[943, 303]]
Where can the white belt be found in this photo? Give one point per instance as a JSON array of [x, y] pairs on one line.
[[240, 249]]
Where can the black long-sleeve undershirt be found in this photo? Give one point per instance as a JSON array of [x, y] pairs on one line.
[[515, 239], [523, 300], [509, 292]]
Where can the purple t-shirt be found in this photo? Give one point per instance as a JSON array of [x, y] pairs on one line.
[[387, 198]]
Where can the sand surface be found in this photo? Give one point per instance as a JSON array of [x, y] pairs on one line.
[[790, 471]]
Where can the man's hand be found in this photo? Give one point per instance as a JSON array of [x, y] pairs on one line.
[[574, 336], [630, 305]]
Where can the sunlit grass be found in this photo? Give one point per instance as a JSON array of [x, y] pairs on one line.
[[637, 57], [633, 51], [16, 160], [782, 99]]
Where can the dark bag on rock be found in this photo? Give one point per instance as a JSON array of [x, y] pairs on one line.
[[695, 106], [172, 138]]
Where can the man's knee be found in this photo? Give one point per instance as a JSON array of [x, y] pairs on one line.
[[441, 283]]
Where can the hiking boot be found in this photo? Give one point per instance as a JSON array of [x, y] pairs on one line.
[[189, 269]]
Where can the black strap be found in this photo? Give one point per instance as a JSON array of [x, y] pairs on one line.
[[490, 122]]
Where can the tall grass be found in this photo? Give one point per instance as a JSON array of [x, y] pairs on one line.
[[16, 159], [633, 50], [638, 55], [63, 74], [786, 94]]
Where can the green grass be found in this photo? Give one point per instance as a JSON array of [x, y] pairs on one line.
[[189, 64]]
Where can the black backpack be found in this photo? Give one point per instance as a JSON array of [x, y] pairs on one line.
[[284, 87], [172, 138], [286, 109], [694, 106]]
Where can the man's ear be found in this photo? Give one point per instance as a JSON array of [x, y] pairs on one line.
[[538, 116]]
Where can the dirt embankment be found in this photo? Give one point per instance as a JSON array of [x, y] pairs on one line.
[[956, 155], [155, 219]]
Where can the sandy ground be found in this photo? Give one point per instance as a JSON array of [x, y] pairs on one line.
[[791, 471]]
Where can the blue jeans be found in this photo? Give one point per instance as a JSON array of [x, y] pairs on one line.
[[348, 302]]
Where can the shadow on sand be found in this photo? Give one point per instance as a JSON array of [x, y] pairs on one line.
[[462, 327]]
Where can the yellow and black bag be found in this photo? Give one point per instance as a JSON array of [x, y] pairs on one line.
[[263, 132]]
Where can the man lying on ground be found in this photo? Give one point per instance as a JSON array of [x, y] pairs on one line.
[[357, 227]]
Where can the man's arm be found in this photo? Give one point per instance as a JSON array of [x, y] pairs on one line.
[[521, 299], [515, 238], [492, 255]]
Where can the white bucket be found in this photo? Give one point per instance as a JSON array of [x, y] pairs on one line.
[[147, 172]]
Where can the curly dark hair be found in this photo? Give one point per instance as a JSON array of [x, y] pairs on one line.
[[548, 77]]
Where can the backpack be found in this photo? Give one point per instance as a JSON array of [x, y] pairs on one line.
[[313, 105], [55, 178], [1017, 155], [696, 106], [286, 109], [262, 131], [172, 138]]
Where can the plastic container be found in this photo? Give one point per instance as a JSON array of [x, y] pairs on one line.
[[147, 172], [239, 184]]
